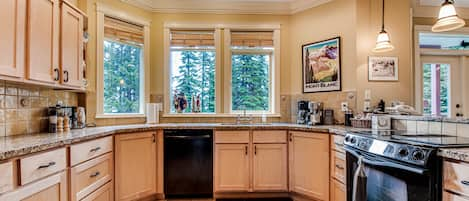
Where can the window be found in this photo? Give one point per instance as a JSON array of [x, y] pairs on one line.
[[192, 71], [121, 55], [251, 65], [444, 41], [436, 89]]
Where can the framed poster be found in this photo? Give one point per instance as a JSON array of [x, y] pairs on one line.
[[383, 68], [321, 66]]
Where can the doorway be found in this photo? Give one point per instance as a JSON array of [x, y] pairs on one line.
[[441, 86]]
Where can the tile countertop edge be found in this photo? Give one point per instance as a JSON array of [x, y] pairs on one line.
[[460, 154], [17, 146]]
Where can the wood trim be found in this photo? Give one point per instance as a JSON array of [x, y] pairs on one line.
[[8, 176], [118, 13], [36, 187], [108, 187]]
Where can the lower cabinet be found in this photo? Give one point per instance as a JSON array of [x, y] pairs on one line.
[[251, 162], [105, 193], [231, 167], [135, 165], [309, 164], [270, 167], [51, 188], [338, 191]]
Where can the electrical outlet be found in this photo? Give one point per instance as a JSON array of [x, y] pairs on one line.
[[344, 106]]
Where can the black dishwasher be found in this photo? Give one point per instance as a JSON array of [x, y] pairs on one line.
[[188, 163]]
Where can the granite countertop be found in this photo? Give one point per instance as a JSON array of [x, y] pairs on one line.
[[14, 146], [460, 154]]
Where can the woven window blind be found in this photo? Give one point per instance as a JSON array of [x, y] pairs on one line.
[[252, 39], [192, 38], [122, 31]]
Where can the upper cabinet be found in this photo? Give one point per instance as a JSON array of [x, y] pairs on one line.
[[42, 43], [71, 41], [42, 49], [12, 41]]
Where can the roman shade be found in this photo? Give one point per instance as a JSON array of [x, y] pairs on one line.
[[252, 38], [123, 31], [192, 38]]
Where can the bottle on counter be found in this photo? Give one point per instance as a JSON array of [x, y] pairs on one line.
[[66, 123], [53, 121], [60, 124]]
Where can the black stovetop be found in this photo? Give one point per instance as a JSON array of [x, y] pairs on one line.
[[415, 138]]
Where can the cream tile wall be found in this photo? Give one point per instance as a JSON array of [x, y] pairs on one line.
[[432, 127], [23, 108]]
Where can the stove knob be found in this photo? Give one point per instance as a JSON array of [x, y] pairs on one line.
[[347, 138], [353, 140], [418, 155], [403, 152], [362, 144]]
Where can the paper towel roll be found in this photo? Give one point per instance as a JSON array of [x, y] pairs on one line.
[[153, 113]]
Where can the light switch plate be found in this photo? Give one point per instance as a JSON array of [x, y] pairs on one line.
[[344, 106]]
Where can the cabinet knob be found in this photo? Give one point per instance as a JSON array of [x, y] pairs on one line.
[[65, 76], [246, 150], [56, 77]]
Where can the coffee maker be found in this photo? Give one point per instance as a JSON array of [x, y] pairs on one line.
[[315, 113], [303, 112]]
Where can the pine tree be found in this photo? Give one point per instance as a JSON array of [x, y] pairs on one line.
[[207, 81], [188, 82], [250, 84]]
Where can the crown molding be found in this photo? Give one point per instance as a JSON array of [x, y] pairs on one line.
[[273, 7]]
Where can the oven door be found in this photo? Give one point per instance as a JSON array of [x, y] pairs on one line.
[[389, 180]]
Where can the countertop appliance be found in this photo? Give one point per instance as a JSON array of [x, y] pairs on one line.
[[303, 111], [398, 165], [188, 163], [315, 113]]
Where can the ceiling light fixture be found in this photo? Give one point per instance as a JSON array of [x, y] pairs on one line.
[[448, 19], [383, 43]]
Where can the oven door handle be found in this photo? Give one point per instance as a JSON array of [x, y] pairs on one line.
[[387, 164]]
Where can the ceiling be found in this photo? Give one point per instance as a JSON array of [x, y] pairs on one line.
[[282, 7], [430, 8]]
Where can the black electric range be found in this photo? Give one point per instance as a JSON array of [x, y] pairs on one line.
[[399, 165]]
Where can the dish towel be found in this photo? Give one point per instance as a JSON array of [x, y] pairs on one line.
[[359, 182]]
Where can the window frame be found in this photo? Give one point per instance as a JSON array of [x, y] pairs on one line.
[[274, 71], [102, 11]]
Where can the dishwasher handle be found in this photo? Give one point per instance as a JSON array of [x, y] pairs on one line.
[[188, 137]]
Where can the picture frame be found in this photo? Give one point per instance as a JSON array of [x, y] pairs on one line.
[[321, 66], [383, 68]]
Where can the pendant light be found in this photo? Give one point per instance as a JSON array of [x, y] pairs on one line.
[[448, 19], [383, 43]]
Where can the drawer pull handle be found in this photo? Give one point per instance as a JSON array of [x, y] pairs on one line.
[[95, 149], [46, 166], [339, 167], [465, 182], [95, 174], [246, 150]]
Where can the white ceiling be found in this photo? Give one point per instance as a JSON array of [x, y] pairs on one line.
[[457, 3], [283, 7]]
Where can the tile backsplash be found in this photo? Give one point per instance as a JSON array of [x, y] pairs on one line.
[[23, 108]]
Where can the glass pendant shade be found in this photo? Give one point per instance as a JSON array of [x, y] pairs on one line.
[[448, 19], [383, 43]]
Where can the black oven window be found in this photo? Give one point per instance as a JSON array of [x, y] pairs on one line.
[[384, 187]]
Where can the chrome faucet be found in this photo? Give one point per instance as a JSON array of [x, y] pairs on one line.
[[245, 119]]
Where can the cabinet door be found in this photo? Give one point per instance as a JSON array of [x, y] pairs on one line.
[[309, 164], [231, 167], [104, 193], [338, 192], [270, 167], [42, 63], [71, 46], [12, 24], [52, 188], [135, 165]]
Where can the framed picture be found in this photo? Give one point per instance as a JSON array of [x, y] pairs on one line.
[[383, 68], [321, 66]]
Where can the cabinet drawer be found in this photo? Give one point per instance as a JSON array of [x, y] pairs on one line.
[[456, 177], [272, 136], [453, 197], [105, 193], [85, 151], [232, 137], [89, 176], [337, 143], [338, 166], [6, 173], [41, 165]]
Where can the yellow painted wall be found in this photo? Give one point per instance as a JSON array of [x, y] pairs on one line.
[[355, 21]]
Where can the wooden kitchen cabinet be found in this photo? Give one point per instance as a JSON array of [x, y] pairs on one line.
[[309, 164], [338, 191], [71, 50], [105, 193], [51, 188], [43, 41], [270, 167], [231, 167], [135, 165], [12, 43]]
